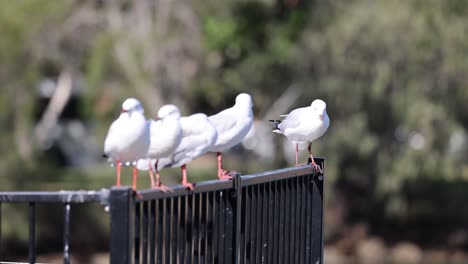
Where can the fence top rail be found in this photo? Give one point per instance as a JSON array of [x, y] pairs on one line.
[[179, 190], [269, 176], [55, 196]]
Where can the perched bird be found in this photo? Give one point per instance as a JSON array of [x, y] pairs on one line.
[[198, 134], [232, 125], [304, 125], [128, 137], [165, 136]]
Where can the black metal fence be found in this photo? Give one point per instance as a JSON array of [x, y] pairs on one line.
[[270, 217]]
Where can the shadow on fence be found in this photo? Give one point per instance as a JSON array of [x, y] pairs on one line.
[[269, 217]]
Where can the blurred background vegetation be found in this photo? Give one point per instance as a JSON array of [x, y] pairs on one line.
[[393, 74]]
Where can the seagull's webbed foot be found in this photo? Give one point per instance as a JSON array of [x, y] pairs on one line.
[[162, 187], [188, 185], [316, 166], [225, 175]]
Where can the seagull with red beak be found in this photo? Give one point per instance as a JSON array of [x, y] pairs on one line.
[[165, 136], [232, 125], [127, 139], [304, 125]]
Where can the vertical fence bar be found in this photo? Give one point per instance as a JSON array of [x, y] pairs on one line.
[[297, 224], [121, 205], [203, 230], [273, 233], [276, 216], [253, 219], [144, 257], [198, 227], [309, 198], [209, 228], [222, 225], [302, 224], [248, 220], [183, 229], [214, 253], [292, 224], [230, 226], [167, 231], [316, 224], [137, 233], [170, 229], [32, 233], [282, 216], [190, 227], [152, 232], [269, 229], [159, 230], [237, 220], [287, 222], [258, 236], [265, 221], [175, 228], [66, 234], [243, 216], [0, 230]]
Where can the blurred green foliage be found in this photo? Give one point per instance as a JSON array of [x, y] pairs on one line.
[[393, 74]]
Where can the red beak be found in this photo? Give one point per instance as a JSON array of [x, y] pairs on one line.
[[157, 118], [321, 117], [124, 111]]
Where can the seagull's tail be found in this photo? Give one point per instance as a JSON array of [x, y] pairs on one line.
[[276, 123]]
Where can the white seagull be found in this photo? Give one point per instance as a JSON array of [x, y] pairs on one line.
[[165, 136], [232, 125], [304, 125], [128, 137], [198, 134]]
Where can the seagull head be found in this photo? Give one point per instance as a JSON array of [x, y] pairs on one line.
[[132, 105], [244, 98], [319, 107], [168, 111]]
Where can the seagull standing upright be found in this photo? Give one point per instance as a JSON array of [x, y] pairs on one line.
[[165, 136], [232, 125], [304, 125], [128, 137], [198, 134]]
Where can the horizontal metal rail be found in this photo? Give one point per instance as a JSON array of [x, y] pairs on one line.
[[55, 197]]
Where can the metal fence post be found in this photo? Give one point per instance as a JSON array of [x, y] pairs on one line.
[[121, 229], [317, 214], [237, 220]]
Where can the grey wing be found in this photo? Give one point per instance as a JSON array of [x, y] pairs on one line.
[[293, 119], [223, 121], [111, 137]]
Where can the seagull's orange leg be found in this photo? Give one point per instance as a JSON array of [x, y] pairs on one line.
[[317, 167], [150, 171], [297, 150], [184, 178], [158, 184], [222, 174], [118, 173], [134, 181]]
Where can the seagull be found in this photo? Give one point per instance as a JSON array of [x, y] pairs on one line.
[[232, 125], [128, 137], [198, 135], [165, 136], [304, 125]]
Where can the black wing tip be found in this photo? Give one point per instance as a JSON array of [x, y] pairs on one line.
[[275, 123], [104, 155]]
